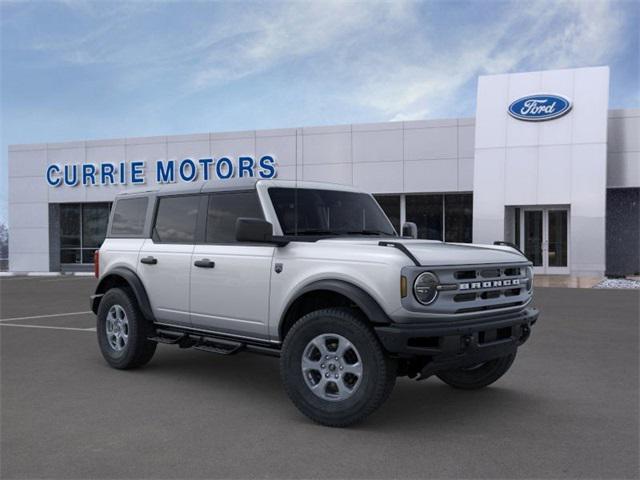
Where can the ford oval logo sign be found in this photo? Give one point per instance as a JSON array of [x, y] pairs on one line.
[[536, 108]]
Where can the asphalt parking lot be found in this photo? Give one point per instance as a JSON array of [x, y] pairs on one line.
[[567, 409]]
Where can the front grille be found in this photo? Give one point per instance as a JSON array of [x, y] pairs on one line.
[[469, 288]]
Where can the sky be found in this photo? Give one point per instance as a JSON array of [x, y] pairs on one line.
[[76, 70]]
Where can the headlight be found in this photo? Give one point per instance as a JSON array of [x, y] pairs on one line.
[[529, 279], [425, 288]]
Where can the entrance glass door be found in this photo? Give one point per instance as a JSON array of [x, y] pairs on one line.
[[544, 234]]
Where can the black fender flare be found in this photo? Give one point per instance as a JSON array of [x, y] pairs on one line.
[[357, 295], [133, 281]]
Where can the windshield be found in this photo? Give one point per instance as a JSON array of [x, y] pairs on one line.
[[303, 211]]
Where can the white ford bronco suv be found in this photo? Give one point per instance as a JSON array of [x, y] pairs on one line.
[[315, 274]]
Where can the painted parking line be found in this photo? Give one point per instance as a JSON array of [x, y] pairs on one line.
[[51, 315], [91, 329]]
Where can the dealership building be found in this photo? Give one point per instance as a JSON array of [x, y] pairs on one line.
[[544, 164]]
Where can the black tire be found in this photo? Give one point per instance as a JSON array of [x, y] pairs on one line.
[[138, 350], [378, 370], [479, 376]]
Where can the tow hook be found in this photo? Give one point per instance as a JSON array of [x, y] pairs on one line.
[[526, 331]]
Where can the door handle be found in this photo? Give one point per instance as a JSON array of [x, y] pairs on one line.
[[204, 263], [149, 260]]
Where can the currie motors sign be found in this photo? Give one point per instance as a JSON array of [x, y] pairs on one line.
[[164, 171], [540, 107]]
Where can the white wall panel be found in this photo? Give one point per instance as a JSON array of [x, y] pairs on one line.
[[326, 148], [466, 141], [28, 215], [624, 134], [29, 189], [379, 177], [521, 176], [588, 180], [28, 262], [554, 175], [465, 174], [623, 169], [27, 240], [377, 146], [27, 163], [431, 176], [591, 104], [558, 131], [334, 173], [431, 143], [493, 95], [282, 148]]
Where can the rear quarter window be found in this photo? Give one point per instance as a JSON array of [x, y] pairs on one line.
[[129, 216]]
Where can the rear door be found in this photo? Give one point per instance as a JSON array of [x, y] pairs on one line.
[[230, 280], [164, 262]]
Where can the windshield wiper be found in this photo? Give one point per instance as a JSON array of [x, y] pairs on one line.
[[312, 231], [370, 232]]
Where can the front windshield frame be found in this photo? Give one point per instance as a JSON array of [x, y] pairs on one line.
[[325, 218]]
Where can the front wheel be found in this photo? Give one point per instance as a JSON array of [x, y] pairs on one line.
[[334, 369], [122, 331], [477, 376]]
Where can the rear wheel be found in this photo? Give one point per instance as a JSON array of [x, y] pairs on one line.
[[334, 369], [477, 376], [123, 331]]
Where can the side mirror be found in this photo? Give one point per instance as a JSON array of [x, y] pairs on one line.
[[409, 229], [254, 230]]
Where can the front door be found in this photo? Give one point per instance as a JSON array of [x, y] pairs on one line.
[[544, 234]]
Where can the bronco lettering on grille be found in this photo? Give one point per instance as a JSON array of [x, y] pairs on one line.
[[489, 284]]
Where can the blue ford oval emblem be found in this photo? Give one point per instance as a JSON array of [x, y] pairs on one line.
[[536, 108]]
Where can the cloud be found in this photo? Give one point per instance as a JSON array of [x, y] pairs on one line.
[[401, 60], [524, 36]]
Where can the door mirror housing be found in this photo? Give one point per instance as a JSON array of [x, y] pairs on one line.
[[409, 229], [256, 230]]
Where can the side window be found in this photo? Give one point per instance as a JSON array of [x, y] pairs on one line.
[[129, 216], [224, 210], [176, 219]]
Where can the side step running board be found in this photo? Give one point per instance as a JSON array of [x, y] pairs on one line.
[[209, 343]]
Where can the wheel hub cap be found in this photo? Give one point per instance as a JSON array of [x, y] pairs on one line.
[[332, 367], [117, 328]]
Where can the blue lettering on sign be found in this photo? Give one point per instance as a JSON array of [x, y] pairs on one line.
[[188, 174], [137, 173], [106, 172], [71, 175], [267, 167], [51, 180], [88, 174], [245, 166], [224, 168], [166, 171], [536, 108], [206, 163]]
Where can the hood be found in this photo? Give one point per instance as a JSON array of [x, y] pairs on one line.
[[435, 253]]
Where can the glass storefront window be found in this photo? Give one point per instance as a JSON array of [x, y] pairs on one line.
[[83, 228], [447, 217], [391, 206], [70, 225], [458, 217], [95, 219], [426, 211]]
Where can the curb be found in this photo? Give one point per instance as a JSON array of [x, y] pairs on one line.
[[46, 274]]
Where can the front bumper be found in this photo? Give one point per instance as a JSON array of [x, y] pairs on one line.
[[454, 344]]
